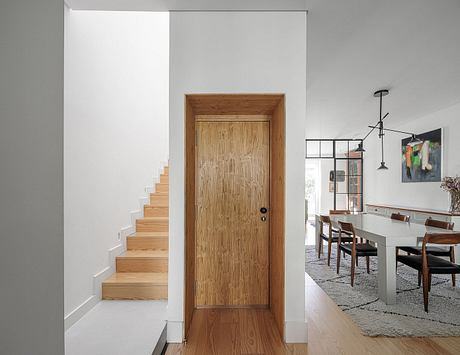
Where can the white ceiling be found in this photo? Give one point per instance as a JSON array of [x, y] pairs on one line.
[[355, 47]]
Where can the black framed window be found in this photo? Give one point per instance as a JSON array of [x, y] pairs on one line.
[[346, 178]]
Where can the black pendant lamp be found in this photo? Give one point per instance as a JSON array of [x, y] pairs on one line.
[[381, 94], [414, 139]]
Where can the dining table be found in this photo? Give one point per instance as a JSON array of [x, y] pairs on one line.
[[387, 234]]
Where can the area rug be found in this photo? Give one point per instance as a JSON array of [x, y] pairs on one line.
[[405, 318]]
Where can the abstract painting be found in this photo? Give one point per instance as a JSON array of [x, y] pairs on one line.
[[422, 161]]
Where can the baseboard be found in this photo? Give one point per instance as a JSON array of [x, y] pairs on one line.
[[79, 312], [175, 331], [295, 332]]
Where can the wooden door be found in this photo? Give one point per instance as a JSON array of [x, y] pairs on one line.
[[232, 240]]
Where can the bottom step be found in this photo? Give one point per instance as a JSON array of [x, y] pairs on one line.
[[136, 286]]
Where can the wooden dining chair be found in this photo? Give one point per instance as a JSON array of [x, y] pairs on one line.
[[332, 236], [339, 212], [434, 250], [354, 248], [400, 217], [428, 264]]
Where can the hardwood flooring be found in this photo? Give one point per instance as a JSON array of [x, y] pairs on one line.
[[330, 331], [234, 331]]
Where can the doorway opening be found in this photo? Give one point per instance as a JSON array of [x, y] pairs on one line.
[[234, 209]]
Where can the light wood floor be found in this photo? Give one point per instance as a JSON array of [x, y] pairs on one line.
[[234, 331], [330, 331]]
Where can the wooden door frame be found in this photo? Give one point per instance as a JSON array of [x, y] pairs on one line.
[[239, 107]]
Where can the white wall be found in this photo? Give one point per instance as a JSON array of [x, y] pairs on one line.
[[425, 195], [238, 52], [116, 132], [31, 177]]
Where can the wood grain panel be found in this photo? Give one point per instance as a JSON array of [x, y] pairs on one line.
[[159, 199], [235, 331], [232, 118], [142, 261], [161, 187], [330, 331], [231, 240], [147, 243], [156, 211], [277, 215], [152, 224], [132, 286], [189, 242], [233, 104]]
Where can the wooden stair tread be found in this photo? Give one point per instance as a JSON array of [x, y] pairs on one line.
[[144, 254], [133, 278], [154, 218], [149, 235]]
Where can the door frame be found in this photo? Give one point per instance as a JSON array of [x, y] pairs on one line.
[[239, 107]]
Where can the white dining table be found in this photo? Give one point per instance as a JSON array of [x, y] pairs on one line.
[[388, 234]]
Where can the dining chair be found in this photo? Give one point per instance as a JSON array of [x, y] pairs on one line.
[[434, 250], [354, 249], [400, 217], [331, 237], [403, 218], [339, 212], [428, 264]]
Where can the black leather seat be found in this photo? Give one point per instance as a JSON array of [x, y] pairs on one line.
[[436, 265], [335, 238], [362, 249], [438, 251]]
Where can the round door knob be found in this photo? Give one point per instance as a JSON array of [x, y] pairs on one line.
[[263, 210]]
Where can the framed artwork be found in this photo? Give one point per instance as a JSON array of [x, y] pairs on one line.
[[422, 161]]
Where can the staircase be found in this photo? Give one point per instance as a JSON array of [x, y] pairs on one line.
[[142, 271]]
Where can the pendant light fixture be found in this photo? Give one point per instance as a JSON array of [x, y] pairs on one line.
[[414, 140]]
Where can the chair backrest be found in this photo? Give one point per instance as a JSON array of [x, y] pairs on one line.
[[437, 238], [325, 220], [439, 224], [400, 217], [347, 227], [339, 212]]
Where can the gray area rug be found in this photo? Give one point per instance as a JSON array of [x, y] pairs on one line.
[[405, 318]]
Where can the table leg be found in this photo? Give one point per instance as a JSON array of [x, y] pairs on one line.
[[387, 273]]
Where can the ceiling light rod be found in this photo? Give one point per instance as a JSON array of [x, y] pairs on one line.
[[413, 135], [379, 93], [374, 127]]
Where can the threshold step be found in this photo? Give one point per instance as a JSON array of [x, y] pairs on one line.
[[136, 286]]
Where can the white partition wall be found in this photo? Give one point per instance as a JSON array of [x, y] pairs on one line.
[[240, 52]]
